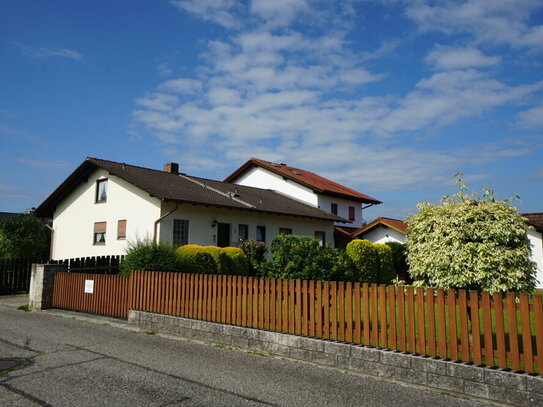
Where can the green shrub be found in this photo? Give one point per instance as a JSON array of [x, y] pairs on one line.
[[365, 258], [386, 272], [149, 256], [399, 259], [196, 259], [236, 262], [256, 256], [24, 236], [302, 257]]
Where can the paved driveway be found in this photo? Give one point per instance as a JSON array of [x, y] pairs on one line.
[[51, 360]]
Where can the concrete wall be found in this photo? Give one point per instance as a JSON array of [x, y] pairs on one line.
[[536, 240], [202, 232], [465, 379], [75, 216], [262, 178], [383, 234]]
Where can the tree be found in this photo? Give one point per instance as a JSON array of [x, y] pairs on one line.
[[23, 236], [470, 242]]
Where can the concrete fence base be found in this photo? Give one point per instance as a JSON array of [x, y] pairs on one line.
[[488, 383]]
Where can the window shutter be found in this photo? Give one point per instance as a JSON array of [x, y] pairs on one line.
[[121, 228], [100, 227]]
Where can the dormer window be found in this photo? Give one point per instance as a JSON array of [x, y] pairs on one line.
[[101, 190]]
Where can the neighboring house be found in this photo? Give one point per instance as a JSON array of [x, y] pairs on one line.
[[382, 230], [310, 188], [103, 205], [536, 238]]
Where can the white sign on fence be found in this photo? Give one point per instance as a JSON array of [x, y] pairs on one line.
[[89, 286]]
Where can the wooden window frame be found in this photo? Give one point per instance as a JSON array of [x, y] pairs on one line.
[[97, 192], [352, 213], [119, 235], [98, 231]]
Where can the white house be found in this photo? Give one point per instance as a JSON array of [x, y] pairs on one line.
[[103, 205], [536, 239], [310, 188], [383, 230]]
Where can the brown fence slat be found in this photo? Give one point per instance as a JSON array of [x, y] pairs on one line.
[[382, 316], [357, 314], [374, 315], [411, 339], [511, 310], [441, 324], [298, 307], [401, 320], [305, 310], [341, 311], [475, 327], [333, 310], [431, 315], [453, 333], [487, 328], [349, 311], [526, 333], [421, 320], [326, 310], [500, 330], [538, 316], [464, 333]]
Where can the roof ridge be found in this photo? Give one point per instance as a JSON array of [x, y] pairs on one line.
[[227, 195]]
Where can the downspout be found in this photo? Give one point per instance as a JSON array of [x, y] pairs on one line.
[[160, 219], [51, 242]]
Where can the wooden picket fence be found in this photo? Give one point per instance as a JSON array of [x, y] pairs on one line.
[[470, 326], [109, 293]]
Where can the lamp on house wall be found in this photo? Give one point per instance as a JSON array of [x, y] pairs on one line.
[[214, 223]]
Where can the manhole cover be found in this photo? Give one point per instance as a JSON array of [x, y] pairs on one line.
[[10, 364]]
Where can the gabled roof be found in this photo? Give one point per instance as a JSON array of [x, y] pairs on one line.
[[395, 224], [309, 179], [185, 189], [535, 220]]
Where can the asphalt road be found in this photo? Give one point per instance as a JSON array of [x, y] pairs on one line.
[[52, 360]]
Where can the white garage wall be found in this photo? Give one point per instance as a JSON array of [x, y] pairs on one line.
[[201, 219], [75, 216], [382, 234], [536, 239]]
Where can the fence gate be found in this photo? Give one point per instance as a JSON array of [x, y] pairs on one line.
[[93, 293]]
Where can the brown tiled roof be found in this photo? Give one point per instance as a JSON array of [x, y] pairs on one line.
[[396, 224], [306, 178], [535, 220], [186, 189]]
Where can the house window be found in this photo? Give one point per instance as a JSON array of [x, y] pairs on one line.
[[261, 233], [101, 190], [321, 237], [121, 229], [180, 232], [285, 231], [243, 232], [333, 208], [351, 212], [100, 233]]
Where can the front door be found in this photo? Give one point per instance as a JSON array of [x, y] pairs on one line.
[[223, 234]]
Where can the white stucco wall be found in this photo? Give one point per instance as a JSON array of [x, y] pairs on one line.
[[536, 239], [75, 216], [342, 209], [201, 218], [262, 178], [383, 234]]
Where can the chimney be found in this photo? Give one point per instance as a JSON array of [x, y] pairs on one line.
[[171, 167]]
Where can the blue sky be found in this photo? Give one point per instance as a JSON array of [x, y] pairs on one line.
[[388, 97]]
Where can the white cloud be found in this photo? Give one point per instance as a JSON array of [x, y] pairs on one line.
[[531, 118], [164, 69], [278, 12], [490, 22], [217, 11], [181, 86], [46, 52], [447, 58], [43, 164]]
